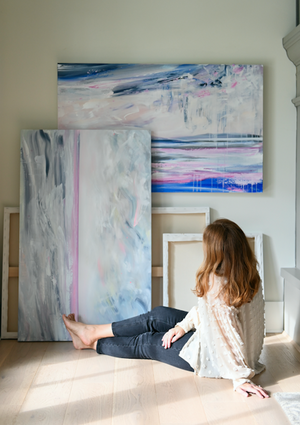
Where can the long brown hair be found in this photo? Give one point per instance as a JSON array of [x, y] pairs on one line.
[[227, 254]]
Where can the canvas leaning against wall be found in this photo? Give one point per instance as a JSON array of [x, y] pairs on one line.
[[206, 121], [85, 228]]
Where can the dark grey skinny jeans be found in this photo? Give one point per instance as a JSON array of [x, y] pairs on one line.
[[140, 337]]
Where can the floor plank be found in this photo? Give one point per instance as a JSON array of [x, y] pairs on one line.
[[282, 363], [47, 399], [134, 393], [18, 370], [217, 390], [177, 396], [9, 413], [232, 413], [6, 346], [91, 399], [266, 411]]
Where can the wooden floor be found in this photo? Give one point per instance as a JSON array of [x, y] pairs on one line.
[[52, 383]]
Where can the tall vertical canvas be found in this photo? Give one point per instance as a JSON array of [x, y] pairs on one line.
[[114, 225], [206, 121], [85, 228]]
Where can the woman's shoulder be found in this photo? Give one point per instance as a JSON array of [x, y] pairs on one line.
[[216, 284]]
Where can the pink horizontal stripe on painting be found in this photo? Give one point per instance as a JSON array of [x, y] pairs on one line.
[[187, 166], [202, 93], [213, 151], [240, 178]]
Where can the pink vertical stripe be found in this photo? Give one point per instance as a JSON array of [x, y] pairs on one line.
[[75, 225]]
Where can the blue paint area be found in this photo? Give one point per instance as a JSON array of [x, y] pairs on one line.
[[208, 186], [79, 71], [164, 76], [209, 141]]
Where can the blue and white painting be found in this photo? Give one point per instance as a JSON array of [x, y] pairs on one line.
[[206, 121], [85, 228]]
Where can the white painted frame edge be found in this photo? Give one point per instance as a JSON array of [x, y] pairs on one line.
[[5, 271], [174, 237], [259, 254], [184, 210], [182, 237]]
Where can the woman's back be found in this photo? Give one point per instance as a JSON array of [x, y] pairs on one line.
[[229, 340]]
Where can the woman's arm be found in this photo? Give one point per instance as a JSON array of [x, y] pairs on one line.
[[191, 321], [172, 335]]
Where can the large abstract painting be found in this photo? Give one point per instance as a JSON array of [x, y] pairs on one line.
[[85, 228], [206, 121]]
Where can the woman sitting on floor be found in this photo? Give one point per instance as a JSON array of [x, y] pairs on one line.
[[221, 337]]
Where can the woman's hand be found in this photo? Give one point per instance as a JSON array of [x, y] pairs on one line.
[[249, 389], [171, 336]]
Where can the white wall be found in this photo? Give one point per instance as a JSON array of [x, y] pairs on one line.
[[36, 34]]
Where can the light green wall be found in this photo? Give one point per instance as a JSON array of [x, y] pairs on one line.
[[36, 34]]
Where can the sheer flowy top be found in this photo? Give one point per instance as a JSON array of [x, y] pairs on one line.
[[227, 341]]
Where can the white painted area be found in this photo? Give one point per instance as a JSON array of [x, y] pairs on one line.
[[184, 210], [292, 275], [180, 263], [292, 303], [259, 254], [35, 35], [274, 316], [292, 312]]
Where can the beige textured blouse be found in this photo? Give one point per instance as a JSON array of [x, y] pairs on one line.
[[227, 341]]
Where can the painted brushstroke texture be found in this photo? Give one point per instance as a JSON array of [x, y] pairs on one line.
[[114, 225], [208, 166], [190, 104], [48, 282]]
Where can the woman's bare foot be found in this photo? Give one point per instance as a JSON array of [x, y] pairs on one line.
[[78, 344], [85, 336]]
